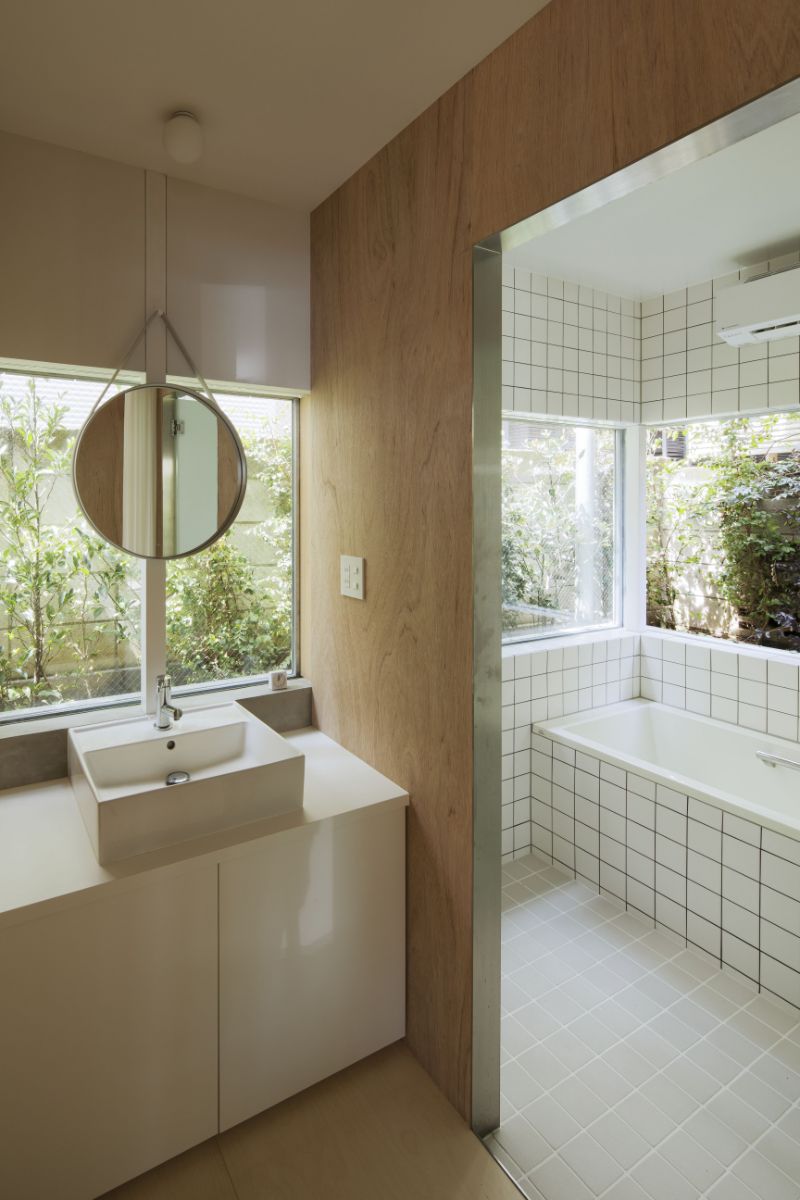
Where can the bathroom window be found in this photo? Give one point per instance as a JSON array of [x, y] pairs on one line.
[[71, 631], [560, 528], [723, 529], [229, 608], [69, 602]]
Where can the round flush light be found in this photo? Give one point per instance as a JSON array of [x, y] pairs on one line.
[[183, 137]]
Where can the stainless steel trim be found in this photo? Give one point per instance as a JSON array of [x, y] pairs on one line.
[[727, 131], [777, 760], [487, 671]]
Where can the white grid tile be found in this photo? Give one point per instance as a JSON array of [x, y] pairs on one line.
[[688, 372], [732, 683], [538, 685], [633, 1067], [569, 351]]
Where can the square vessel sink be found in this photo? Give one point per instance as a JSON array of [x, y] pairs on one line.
[[231, 769]]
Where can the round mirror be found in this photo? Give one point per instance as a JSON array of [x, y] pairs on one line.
[[159, 471]]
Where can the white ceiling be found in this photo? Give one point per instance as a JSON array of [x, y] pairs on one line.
[[293, 97], [738, 207]]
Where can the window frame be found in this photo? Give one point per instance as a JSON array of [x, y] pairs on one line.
[[512, 638], [688, 637], [153, 580], [250, 681]]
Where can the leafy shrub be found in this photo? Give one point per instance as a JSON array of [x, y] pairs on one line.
[[738, 524], [69, 603], [62, 589]]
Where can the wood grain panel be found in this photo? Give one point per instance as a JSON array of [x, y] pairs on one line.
[[387, 406], [540, 122], [584, 88], [679, 64], [98, 469]]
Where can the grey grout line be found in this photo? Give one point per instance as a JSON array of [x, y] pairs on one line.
[[679, 948], [722, 1086]]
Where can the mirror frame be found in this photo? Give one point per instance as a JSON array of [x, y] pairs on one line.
[[242, 481]]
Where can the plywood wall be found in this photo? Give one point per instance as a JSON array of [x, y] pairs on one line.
[[586, 87]]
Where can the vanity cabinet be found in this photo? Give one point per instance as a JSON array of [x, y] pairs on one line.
[[108, 1036], [312, 957], [141, 1015]]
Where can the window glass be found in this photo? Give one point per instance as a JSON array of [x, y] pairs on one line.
[[723, 529], [229, 608], [69, 602], [559, 533]]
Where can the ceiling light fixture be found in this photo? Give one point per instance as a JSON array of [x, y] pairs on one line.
[[183, 137]]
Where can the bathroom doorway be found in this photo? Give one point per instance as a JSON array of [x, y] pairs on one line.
[[636, 930]]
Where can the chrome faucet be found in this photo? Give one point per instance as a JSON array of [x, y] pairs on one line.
[[166, 712]]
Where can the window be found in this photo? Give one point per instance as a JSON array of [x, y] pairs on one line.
[[723, 530], [229, 608], [69, 602], [560, 532], [70, 612]]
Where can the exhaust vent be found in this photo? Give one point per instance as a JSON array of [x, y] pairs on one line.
[[762, 310]]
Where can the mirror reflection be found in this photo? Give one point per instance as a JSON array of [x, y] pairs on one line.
[[159, 471]]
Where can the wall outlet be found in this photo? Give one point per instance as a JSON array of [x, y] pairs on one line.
[[351, 576]]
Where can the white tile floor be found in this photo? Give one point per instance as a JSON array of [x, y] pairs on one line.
[[633, 1069]]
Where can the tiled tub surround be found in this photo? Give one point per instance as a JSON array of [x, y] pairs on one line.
[[740, 686], [632, 1067], [542, 683], [746, 686], [720, 882], [569, 350]]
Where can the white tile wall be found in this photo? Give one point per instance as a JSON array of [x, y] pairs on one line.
[[546, 683], [574, 351], [569, 350], [688, 372], [719, 882], [728, 683]]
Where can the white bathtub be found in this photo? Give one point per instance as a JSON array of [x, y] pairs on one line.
[[708, 759]]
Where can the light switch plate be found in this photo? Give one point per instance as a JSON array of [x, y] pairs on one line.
[[351, 576]]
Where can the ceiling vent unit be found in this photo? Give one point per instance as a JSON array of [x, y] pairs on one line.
[[763, 310]]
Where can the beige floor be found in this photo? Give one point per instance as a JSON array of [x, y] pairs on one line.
[[379, 1131]]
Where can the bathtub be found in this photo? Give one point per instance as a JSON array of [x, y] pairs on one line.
[[681, 818], [711, 760]]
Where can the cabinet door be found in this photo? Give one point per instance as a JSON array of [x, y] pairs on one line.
[[312, 958], [108, 1037]]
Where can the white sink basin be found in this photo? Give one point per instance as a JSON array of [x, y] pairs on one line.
[[239, 771]]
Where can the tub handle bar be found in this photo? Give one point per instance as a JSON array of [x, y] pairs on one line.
[[777, 760]]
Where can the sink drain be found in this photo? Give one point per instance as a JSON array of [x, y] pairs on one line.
[[177, 777]]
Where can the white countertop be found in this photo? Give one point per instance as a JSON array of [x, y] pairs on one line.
[[47, 862]]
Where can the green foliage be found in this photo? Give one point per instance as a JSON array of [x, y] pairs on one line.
[[523, 556], [69, 605], [222, 620], [59, 584], [672, 539], [731, 514], [758, 502], [543, 530]]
